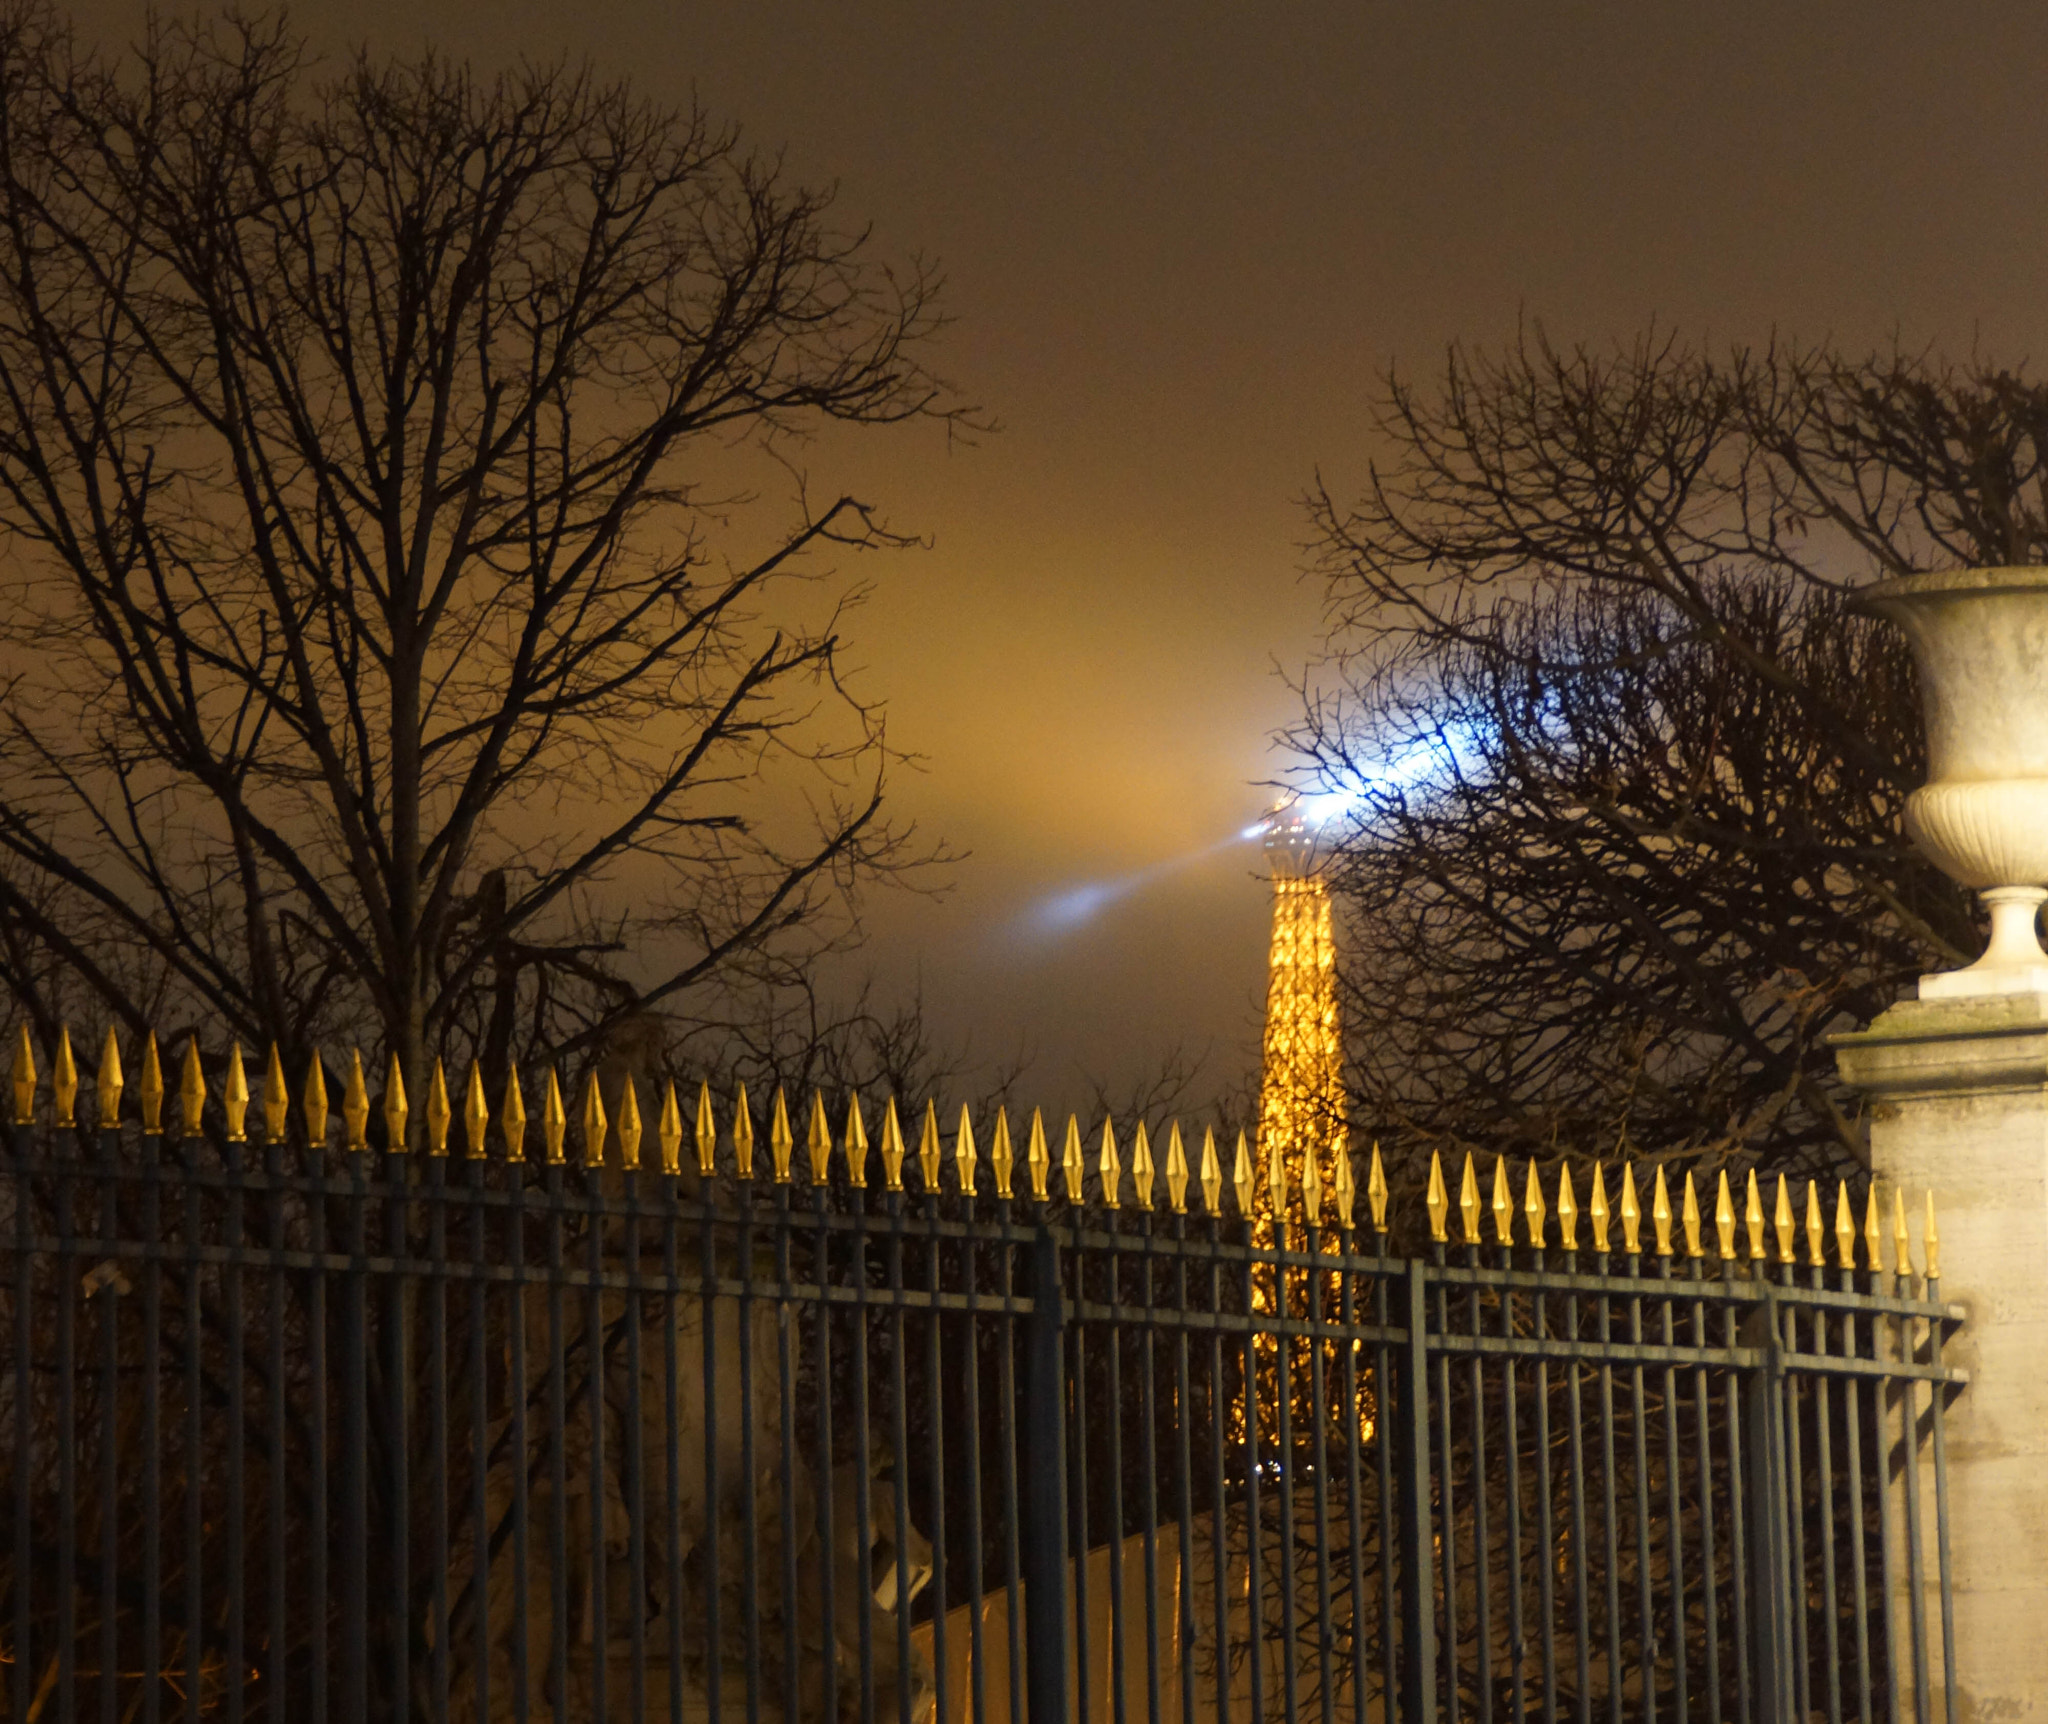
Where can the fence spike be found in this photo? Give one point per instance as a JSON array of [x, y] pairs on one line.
[[1660, 1212], [1436, 1199], [706, 1132], [742, 1133], [554, 1120], [476, 1112], [1598, 1209], [892, 1147], [1902, 1247], [928, 1147], [1567, 1207], [1930, 1241], [1873, 1231], [1816, 1229], [1503, 1204], [64, 1081], [1176, 1170], [1276, 1183], [629, 1126], [1845, 1227], [1002, 1155], [109, 1085], [1753, 1219], [312, 1099], [1109, 1166], [856, 1142], [152, 1090], [192, 1087], [396, 1108], [277, 1097], [1781, 1221], [964, 1152], [1241, 1176], [24, 1079], [234, 1097], [781, 1140], [1038, 1158], [439, 1113], [1724, 1217], [1631, 1212], [1212, 1173], [512, 1115], [1345, 1185], [819, 1142], [1143, 1171], [1070, 1161], [1311, 1188], [1532, 1206], [669, 1130], [1468, 1201], [355, 1104], [1691, 1218], [1376, 1189]]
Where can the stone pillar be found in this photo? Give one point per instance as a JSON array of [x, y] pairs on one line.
[[1957, 1093]]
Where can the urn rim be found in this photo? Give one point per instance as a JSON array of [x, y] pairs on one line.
[[1900, 590]]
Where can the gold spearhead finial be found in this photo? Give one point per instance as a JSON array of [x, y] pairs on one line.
[[1345, 1185], [152, 1091], [1212, 1173], [1782, 1223], [1845, 1228], [629, 1127], [669, 1132], [1276, 1183], [1002, 1154], [892, 1148], [1038, 1158], [1109, 1166], [1533, 1207], [24, 1079], [1724, 1229], [1503, 1203], [439, 1113], [1930, 1242], [1692, 1218], [965, 1154], [109, 1086], [1816, 1230], [64, 1081], [1660, 1213], [1071, 1169], [1753, 1219], [1902, 1247], [554, 1120], [395, 1106], [1437, 1200], [277, 1098], [781, 1140], [707, 1131], [1873, 1231], [312, 1100], [1468, 1201], [1598, 1210], [192, 1087], [1142, 1169], [928, 1151], [1567, 1208], [1241, 1177], [742, 1133], [1311, 1188], [512, 1115], [856, 1143], [1176, 1170], [1631, 1212], [355, 1104], [818, 1140], [476, 1112], [1376, 1190], [235, 1097]]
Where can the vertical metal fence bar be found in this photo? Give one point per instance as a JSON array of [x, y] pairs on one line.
[[1646, 1621], [481, 1532], [1795, 1522], [1219, 1501], [1582, 1633], [319, 1600], [1511, 1450], [1674, 1530], [935, 1403], [1326, 1637], [1448, 1446], [1610, 1518], [66, 1502], [20, 1143], [152, 1578], [1738, 1554], [1419, 1653], [395, 1583], [1354, 1472], [970, 1400], [1703, 1447], [1482, 1519], [1186, 1630], [1113, 1469], [785, 1406], [899, 1431], [519, 1449], [827, 1388], [714, 1500], [1285, 1472], [1080, 1503], [277, 1662], [108, 1228], [596, 1374], [750, 1471], [1909, 1472], [1044, 1540], [439, 1667], [1888, 1580], [1014, 1330], [195, 1464], [558, 1456], [1148, 1475], [1822, 1396], [1936, 1413], [633, 1457], [671, 1441], [1389, 1412], [1546, 1519], [235, 1662], [1254, 1510], [863, 1468], [1859, 1568]]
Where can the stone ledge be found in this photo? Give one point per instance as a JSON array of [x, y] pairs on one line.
[[1983, 1043]]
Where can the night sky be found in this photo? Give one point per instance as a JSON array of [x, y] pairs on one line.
[[1182, 243]]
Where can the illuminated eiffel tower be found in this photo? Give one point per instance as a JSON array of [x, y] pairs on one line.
[[1301, 1084]]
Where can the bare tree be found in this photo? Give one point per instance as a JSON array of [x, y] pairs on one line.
[[402, 644], [1630, 763]]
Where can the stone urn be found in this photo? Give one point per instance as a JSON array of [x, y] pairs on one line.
[[1980, 640]]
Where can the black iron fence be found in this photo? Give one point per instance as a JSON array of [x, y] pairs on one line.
[[547, 1430]]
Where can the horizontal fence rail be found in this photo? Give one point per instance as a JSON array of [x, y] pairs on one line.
[[298, 1430]]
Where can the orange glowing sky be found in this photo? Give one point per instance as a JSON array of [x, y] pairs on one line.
[[1181, 242]]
